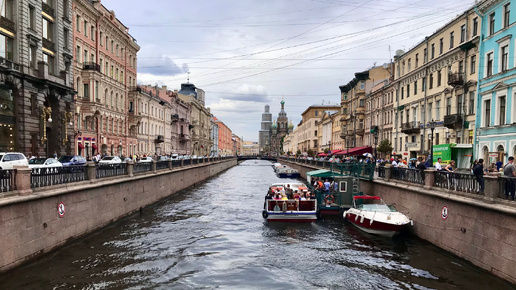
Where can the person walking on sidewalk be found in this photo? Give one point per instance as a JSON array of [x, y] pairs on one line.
[[510, 172], [478, 171]]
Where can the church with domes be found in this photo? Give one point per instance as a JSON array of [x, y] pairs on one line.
[[280, 127]]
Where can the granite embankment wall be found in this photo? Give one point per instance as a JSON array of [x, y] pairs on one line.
[[31, 226], [476, 228]]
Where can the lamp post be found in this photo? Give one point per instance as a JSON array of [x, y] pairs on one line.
[[432, 128], [375, 146]]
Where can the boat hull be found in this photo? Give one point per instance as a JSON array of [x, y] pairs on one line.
[[379, 223], [289, 175], [292, 217]]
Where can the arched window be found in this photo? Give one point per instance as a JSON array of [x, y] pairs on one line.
[[116, 101], [485, 154], [111, 99]]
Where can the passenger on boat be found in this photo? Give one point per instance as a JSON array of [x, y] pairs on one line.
[[284, 197], [307, 196], [303, 197], [277, 196], [296, 195], [288, 191], [320, 185], [327, 185]]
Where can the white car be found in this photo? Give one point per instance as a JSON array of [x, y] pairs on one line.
[[110, 160], [44, 163], [174, 157], [9, 159], [145, 160]]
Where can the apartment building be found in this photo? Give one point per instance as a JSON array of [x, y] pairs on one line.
[[36, 83], [225, 138], [436, 86], [353, 104], [379, 113], [215, 137], [325, 131], [104, 69], [307, 131], [496, 104]]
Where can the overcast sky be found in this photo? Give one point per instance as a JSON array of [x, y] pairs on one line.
[[249, 53]]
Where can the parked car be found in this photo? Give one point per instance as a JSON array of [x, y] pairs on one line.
[[110, 160], [175, 157], [44, 163], [127, 159], [147, 159], [164, 158], [68, 160], [9, 159], [186, 157]]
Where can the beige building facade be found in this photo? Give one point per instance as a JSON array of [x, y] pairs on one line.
[[436, 81]]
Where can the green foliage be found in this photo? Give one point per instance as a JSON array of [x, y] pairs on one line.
[[326, 151], [385, 147], [310, 152], [298, 153]]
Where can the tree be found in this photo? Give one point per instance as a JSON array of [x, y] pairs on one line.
[[326, 151], [298, 153], [385, 147], [310, 152]]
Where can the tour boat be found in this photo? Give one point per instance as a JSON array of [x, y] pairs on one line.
[[291, 210], [372, 215], [287, 172], [277, 165]]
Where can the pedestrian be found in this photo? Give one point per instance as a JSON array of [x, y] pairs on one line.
[[55, 155], [438, 166], [510, 172], [478, 171], [422, 167], [450, 168]]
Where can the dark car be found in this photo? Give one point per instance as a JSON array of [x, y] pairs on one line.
[[68, 160]]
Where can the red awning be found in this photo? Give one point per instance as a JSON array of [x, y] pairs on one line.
[[322, 154], [336, 151], [80, 146], [366, 197], [94, 146], [355, 151]]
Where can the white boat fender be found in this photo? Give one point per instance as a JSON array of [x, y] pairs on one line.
[[361, 218], [371, 222], [412, 222], [356, 217]]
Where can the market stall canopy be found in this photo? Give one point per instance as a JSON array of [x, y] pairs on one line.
[[356, 151]]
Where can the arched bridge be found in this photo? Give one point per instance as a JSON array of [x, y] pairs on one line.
[[250, 157]]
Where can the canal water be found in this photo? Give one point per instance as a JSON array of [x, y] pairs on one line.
[[213, 236]]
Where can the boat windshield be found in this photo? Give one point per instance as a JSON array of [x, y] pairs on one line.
[[376, 207]]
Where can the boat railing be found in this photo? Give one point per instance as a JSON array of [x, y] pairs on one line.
[[291, 205]]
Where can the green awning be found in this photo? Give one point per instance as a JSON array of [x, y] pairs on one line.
[[320, 173]]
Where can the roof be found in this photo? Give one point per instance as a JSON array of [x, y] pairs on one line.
[[320, 173]]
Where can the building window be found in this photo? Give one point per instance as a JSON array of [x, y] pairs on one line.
[[487, 114], [431, 81], [6, 47], [85, 58], [100, 39], [361, 102], [475, 26], [417, 59], [92, 32], [506, 14], [402, 92], [491, 23], [425, 55], [409, 65], [32, 18], [32, 56], [461, 67], [86, 91], [65, 8], [316, 113], [78, 54], [432, 51], [66, 38], [85, 28], [415, 88], [408, 91], [77, 22], [473, 64], [463, 33], [362, 85], [429, 110], [451, 39], [501, 109], [505, 57], [441, 45], [489, 64], [471, 108], [7, 9], [48, 30], [438, 109], [51, 63], [439, 78], [423, 84], [448, 106], [460, 104]]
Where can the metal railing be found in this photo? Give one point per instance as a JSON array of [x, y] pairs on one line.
[[7, 182], [176, 163], [408, 175], [161, 165], [142, 167], [109, 170], [457, 181], [41, 177], [187, 161], [381, 171]]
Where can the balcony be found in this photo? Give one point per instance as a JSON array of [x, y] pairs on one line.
[[159, 139], [7, 24], [47, 9], [174, 117], [91, 66], [455, 79], [9, 64], [183, 138], [412, 146], [452, 121], [48, 44], [411, 127], [360, 131]]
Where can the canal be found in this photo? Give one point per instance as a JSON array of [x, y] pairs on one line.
[[213, 236]]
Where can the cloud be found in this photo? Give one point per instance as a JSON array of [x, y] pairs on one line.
[[158, 66], [248, 93]]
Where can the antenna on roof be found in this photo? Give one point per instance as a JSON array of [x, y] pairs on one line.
[[188, 78], [322, 102]]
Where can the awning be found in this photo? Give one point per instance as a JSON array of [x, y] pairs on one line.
[[356, 151], [80, 146], [94, 146], [320, 173], [322, 154]]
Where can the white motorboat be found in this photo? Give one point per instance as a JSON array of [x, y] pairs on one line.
[[372, 215]]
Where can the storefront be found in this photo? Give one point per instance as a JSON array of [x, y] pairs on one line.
[[7, 120]]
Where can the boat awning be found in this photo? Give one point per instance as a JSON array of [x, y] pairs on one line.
[[320, 173], [366, 197], [356, 151], [80, 145]]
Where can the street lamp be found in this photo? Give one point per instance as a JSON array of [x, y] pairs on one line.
[[432, 128]]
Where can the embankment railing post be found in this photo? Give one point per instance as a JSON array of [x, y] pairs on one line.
[[130, 168], [388, 172], [492, 186], [429, 178], [22, 180], [91, 171]]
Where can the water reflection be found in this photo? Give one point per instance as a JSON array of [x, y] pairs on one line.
[[213, 236]]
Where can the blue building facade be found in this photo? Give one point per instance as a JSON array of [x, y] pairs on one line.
[[495, 136]]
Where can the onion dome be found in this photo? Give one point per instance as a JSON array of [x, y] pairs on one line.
[[290, 125], [274, 125]]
